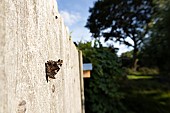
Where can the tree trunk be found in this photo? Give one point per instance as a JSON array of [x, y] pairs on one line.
[[135, 60]]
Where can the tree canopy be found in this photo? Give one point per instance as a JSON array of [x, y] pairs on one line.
[[156, 50], [118, 20]]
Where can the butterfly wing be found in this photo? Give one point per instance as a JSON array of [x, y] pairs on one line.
[[46, 72]]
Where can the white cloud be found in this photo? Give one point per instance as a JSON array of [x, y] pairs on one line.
[[122, 48], [70, 18], [80, 34]]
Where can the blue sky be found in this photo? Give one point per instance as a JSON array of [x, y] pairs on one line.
[[75, 14]]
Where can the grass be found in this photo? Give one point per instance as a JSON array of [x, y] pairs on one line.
[[138, 77], [146, 94]]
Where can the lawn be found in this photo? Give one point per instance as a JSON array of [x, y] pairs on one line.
[[146, 94], [138, 77]]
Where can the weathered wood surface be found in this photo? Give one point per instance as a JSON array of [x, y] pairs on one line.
[[30, 35]]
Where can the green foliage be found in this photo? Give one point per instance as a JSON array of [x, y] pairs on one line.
[[149, 71], [156, 50], [142, 71], [121, 19], [124, 18], [128, 54], [130, 71], [101, 89], [127, 59]]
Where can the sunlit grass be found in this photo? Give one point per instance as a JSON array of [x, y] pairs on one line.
[[163, 95], [146, 93], [157, 95], [139, 77]]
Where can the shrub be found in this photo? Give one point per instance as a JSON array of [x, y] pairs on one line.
[[149, 71], [101, 90]]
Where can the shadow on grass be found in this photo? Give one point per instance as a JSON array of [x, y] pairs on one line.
[[146, 95]]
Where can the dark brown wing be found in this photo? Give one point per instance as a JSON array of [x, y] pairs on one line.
[[46, 72]]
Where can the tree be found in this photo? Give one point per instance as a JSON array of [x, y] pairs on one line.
[[155, 52], [118, 20], [101, 89], [126, 59]]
